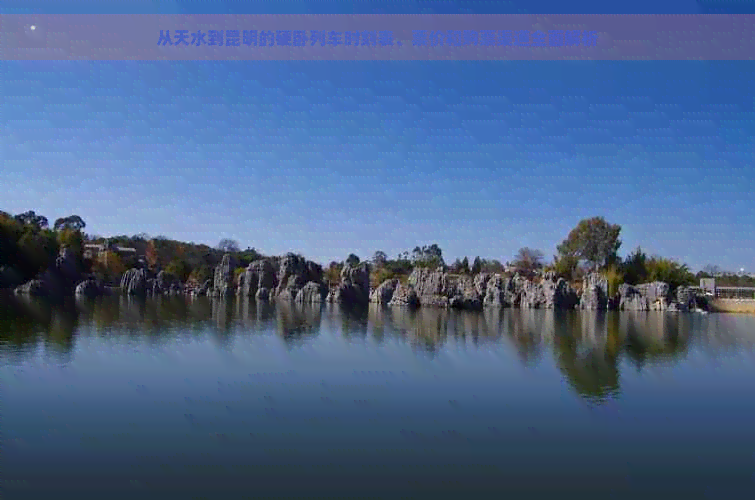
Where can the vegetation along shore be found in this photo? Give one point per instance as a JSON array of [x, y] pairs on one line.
[[586, 273]]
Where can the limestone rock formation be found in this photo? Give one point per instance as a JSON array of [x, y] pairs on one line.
[[222, 285], [259, 274], [481, 283], [549, 293], [594, 292], [134, 282], [513, 290], [33, 288], [294, 273], [354, 288], [630, 299], [384, 293], [405, 295], [494, 296], [431, 286], [262, 294], [58, 280], [163, 282], [464, 292], [89, 288], [657, 295]]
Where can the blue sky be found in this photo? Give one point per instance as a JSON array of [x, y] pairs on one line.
[[328, 158]]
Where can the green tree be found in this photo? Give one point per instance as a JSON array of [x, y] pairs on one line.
[[180, 269], [593, 240], [31, 218], [476, 265], [73, 222], [352, 260], [528, 259], [669, 271], [199, 275], [634, 267], [71, 238], [228, 245], [465, 265], [109, 266], [379, 258], [566, 266]]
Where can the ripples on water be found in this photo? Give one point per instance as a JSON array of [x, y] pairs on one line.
[[233, 399]]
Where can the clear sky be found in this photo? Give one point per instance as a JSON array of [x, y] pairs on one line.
[[329, 158]]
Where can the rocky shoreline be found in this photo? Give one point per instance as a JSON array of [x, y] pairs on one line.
[[293, 278]]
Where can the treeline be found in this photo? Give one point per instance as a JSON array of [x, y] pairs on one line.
[[28, 245]]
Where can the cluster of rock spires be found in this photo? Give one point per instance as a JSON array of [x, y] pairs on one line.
[[63, 278], [439, 289], [293, 278]]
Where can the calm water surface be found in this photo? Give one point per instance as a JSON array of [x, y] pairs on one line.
[[180, 398]]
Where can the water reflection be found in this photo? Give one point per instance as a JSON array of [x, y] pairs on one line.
[[587, 347]]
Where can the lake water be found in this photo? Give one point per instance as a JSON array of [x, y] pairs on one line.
[[201, 398]]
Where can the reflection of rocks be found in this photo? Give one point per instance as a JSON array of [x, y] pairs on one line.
[[312, 293], [297, 321]]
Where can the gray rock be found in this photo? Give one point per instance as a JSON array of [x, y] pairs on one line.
[[294, 272], [89, 288], [259, 274], [33, 288], [431, 287], [384, 293], [311, 293], [657, 295], [463, 292], [481, 283], [494, 292], [549, 293], [205, 288], [262, 294], [630, 299], [162, 283], [594, 292], [222, 284], [354, 288], [513, 290], [405, 295], [134, 282]]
